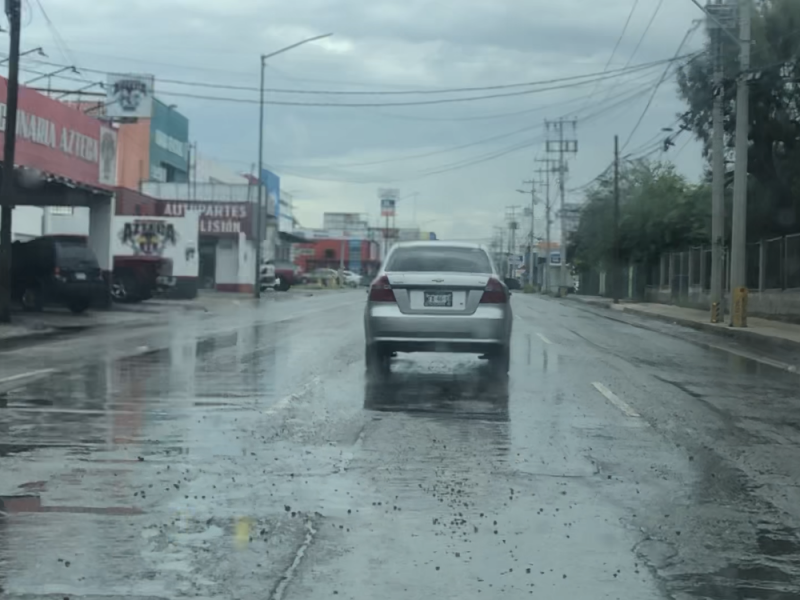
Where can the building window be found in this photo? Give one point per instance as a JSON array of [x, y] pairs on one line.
[[64, 211]]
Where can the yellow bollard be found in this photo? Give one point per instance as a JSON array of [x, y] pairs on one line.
[[715, 312], [739, 307]]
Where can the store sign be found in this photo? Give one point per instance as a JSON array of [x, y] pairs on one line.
[[170, 144], [216, 218], [129, 96], [57, 139], [148, 237]]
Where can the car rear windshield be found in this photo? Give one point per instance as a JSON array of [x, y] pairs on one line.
[[440, 258], [75, 256]]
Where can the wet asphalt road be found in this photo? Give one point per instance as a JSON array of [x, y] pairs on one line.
[[243, 455]]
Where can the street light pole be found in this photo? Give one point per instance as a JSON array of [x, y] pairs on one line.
[[260, 191]]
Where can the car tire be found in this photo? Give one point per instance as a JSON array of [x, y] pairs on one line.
[[377, 360], [125, 288], [78, 306], [283, 286], [500, 361], [31, 299]]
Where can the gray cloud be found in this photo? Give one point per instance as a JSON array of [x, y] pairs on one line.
[[386, 44]]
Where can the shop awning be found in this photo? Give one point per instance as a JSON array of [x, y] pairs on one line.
[[291, 238]]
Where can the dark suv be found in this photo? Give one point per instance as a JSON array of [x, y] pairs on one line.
[[56, 270]]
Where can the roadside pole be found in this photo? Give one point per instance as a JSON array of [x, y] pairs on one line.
[[260, 191], [13, 10], [739, 228], [718, 174], [615, 271]]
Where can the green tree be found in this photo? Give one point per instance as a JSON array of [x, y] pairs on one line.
[[774, 180], [660, 211]]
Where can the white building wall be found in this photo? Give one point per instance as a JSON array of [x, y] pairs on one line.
[[207, 170], [26, 223], [58, 222]]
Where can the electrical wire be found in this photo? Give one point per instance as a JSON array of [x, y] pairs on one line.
[[685, 39], [616, 45], [590, 77], [646, 31]]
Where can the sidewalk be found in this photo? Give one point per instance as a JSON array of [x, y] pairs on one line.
[[762, 332]]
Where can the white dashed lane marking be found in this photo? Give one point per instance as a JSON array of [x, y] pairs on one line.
[[615, 400]]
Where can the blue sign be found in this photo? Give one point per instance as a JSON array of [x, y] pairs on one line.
[[273, 184], [355, 256], [555, 257]]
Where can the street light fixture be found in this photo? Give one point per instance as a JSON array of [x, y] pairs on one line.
[[260, 191]]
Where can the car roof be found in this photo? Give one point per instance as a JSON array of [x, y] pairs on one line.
[[439, 244]]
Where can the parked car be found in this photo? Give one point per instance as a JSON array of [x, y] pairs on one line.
[[287, 274], [351, 279], [59, 270], [138, 278], [267, 278], [323, 276], [438, 297]]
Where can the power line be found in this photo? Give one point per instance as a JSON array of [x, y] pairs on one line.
[[646, 31], [619, 41], [591, 77], [685, 39]]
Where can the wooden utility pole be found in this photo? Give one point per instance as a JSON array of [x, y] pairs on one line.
[[13, 9]]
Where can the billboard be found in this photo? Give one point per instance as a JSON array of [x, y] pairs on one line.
[[57, 139], [129, 96], [272, 183], [388, 198]]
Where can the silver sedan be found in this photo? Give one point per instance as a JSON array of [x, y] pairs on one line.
[[438, 297]]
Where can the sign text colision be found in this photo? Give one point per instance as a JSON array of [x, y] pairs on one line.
[[216, 218]]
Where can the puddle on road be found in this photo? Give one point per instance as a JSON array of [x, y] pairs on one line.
[[108, 405], [466, 394], [773, 573]]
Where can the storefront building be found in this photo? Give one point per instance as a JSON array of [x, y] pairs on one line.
[[65, 159], [227, 229]]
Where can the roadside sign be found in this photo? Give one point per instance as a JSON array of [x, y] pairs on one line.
[[516, 260], [555, 257]]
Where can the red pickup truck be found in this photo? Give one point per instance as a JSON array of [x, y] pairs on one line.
[[287, 274]]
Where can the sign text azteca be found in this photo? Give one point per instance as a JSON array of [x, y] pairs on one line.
[[60, 140]]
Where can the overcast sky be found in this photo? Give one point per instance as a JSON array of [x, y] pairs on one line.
[[476, 153]]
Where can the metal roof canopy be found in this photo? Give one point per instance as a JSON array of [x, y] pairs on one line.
[[37, 188]]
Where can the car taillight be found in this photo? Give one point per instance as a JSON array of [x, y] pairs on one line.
[[494, 293], [381, 290]]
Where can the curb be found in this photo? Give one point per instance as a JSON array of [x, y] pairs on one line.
[[741, 335]]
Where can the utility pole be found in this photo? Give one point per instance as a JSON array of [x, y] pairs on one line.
[[544, 180], [13, 10], [562, 146], [532, 239], [616, 270], [739, 228], [723, 15], [513, 225], [261, 184]]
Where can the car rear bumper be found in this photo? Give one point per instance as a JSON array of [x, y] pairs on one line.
[[489, 325]]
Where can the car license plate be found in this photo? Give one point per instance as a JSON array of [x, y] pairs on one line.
[[80, 276], [439, 299]]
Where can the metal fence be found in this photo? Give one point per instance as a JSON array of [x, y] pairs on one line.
[[771, 264]]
